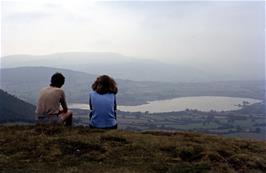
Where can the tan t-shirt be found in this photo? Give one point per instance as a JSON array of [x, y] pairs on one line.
[[49, 101]]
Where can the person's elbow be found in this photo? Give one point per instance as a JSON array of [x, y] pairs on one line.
[[65, 109]]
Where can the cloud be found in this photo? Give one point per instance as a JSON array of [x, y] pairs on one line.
[[181, 32], [26, 16], [52, 5]]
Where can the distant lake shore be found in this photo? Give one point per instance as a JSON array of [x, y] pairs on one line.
[[202, 103]]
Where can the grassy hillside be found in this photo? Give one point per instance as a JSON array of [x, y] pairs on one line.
[[12, 109], [80, 149]]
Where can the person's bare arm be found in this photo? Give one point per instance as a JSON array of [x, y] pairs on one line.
[[63, 103]]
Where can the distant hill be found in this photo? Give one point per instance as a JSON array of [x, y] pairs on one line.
[[125, 67], [13, 109], [80, 149], [25, 83], [67, 58], [114, 64]]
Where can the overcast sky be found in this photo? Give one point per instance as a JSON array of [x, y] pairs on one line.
[[168, 31]]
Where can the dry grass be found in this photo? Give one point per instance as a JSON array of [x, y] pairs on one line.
[[80, 149]]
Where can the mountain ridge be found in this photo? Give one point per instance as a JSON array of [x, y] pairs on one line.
[[126, 67], [25, 82]]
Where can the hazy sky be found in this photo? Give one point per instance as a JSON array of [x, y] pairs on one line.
[[169, 31]]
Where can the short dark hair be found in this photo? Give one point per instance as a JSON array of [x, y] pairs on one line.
[[57, 80], [104, 84]]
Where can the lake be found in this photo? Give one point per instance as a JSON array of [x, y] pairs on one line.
[[202, 103]]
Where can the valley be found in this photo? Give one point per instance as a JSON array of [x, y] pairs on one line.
[[247, 122], [25, 83]]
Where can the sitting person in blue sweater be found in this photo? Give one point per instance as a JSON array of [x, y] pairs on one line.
[[102, 101]]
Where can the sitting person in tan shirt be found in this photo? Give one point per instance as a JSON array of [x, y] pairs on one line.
[[50, 99]]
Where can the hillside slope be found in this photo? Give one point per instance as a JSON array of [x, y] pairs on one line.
[[25, 83], [80, 149], [12, 109]]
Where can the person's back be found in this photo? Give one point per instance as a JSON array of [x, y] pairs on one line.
[[103, 110], [103, 103], [50, 99]]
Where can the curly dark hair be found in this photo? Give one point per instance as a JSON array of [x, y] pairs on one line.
[[104, 84], [57, 80]]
